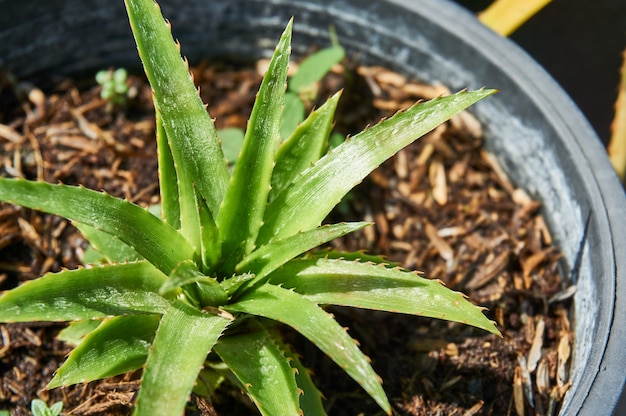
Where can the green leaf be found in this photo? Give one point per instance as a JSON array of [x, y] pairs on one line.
[[232, 140], [97, 292], [319, 327], [304, 204], [168, 179], [362, 285], [336, 139], [39, 408], [192, 138], [156, 241], [258, 361], [184, 338], [315, 66], [304, 147], [268, 258], [111, 247], [106, 248], [233, 283], [359, 256], [209, 381], [56, 408], [117, 346], [241, 216], [92, 256], [210, 244], [52, 411], [75, 332], [208, 290], [218, 366], [311, 397], [293, 114]]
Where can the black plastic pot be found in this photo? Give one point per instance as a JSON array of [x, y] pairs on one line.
[[540, 137]]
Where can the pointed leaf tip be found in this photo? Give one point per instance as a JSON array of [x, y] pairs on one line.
[[241, 215], [309, 199]]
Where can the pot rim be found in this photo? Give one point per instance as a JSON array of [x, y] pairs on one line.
[[605, 384]]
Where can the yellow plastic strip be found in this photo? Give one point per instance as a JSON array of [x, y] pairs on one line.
[[617, 145], [505, 16]]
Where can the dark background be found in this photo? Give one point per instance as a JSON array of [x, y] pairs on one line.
[[580, 43]]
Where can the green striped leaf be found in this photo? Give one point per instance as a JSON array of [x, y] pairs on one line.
[[112, 248], [204, 289], [240, 219], [362, 285], [195, 147], [304, 204], [75, 331], [117, 346], [210, 244], [304, 146], [257, 359], [96, 292], [310, 397], [268, 258], [168, 179], [156, 241], [319, 327], [184, 338]]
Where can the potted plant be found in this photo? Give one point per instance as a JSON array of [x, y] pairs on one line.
[[533, 129]]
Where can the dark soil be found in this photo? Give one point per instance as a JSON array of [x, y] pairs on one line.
[[442, 205]]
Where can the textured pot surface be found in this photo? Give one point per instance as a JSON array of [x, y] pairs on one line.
[[539, 136]]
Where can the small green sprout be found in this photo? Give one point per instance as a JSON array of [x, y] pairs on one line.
[[114, 85], [194, 295], [40, 408], [302, 88]]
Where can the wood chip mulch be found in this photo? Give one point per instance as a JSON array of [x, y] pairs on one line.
[[442, 205]]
